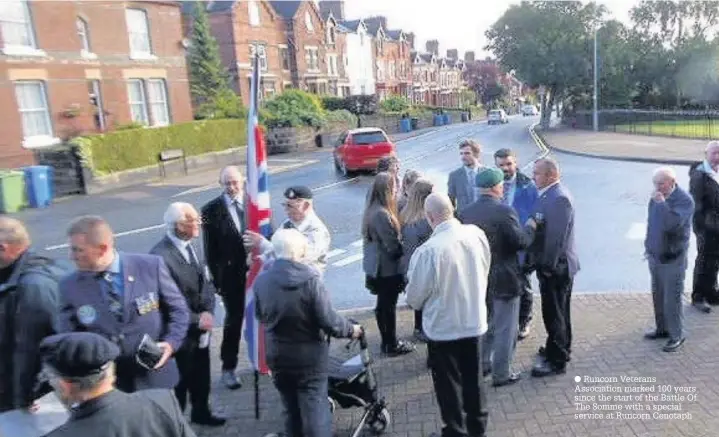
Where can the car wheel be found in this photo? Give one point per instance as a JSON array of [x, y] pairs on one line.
[[338, 168], [343, 170]]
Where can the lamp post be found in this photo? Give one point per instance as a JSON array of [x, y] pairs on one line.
[[595, 113]]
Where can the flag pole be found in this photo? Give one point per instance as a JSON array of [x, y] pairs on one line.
[[257, 395]]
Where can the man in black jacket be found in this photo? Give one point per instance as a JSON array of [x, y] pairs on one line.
[[193, 358], [295, 308], [505, 286], [704, 188]]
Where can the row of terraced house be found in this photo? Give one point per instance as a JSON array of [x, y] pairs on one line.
[[71, 68]]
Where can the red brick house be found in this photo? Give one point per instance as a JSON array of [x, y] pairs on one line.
[[337, 57], [78, 67]]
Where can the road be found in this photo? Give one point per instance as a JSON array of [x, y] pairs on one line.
[[610, 202]]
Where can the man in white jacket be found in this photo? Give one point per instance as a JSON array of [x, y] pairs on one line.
[[448, 282]]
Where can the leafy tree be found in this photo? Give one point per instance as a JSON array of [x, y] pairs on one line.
[[294, 108], [485, 79], [394, 104]]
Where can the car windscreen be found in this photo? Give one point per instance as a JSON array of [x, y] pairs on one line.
[[495, 113], [369, 138]]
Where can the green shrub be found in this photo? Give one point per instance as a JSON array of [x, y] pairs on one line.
[[294, 108], [135, 148], [394, 104], [131, 125], [330, 103], [341, 116], [224, 105]]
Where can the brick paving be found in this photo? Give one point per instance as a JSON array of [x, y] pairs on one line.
[[624, 146], [608, 341]]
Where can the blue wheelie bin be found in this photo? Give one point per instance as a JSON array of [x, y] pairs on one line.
[[446, 119], [405, 125], [38, 182]]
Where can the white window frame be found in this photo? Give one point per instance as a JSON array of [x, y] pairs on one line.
[[83, 32], [139, 52], [253, 10], [308, 22], [309, 58], [29, 49], [154, 100], [331, 35], [263, 55], [42, 139], [286, 50], [144, 110]]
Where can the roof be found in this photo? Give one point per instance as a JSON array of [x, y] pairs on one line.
[[374, 24], [426, 57], [364, 130], [394, 34], [351, 25], [287, 9]]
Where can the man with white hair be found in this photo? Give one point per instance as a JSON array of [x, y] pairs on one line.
[[294, 306], [666, 245], [454, 313], [193, 357], [704, 189]]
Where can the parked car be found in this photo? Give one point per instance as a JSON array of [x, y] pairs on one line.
[[528, 110], [497, 116], [360, 149]]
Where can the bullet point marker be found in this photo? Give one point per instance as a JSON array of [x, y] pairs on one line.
[[577, 379]]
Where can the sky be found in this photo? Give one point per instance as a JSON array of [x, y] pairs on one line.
[[459, 24]]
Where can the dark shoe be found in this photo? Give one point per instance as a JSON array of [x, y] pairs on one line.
[[543, 369], [208, 419], [229, 378], [401, 348], [673, 345], [542, 352], [702, 307], [654, 335], [513, 378], [419, 336]]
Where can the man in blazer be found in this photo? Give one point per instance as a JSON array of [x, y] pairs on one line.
[[460, 186], [125, 298], [193, 358], [553, 257], [505, 283], [223, 225]]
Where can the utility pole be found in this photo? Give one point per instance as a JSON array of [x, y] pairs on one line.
[[595, 114]]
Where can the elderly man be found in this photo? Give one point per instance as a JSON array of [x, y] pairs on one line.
[[223, 224], [460, 186], [129, 298], [193, 358], [301, 216], [666, 245], [28, 306], [81, 370], [704, 188], [454, 314], [521, 194], [506, 285], [295, 308], [554, 258]]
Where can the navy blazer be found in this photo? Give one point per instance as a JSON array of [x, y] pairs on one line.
[[152, 305], [553, 248]]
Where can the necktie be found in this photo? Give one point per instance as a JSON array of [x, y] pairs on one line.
[[113, 295], [240, 215], [472, 182], [192, 257], [288, 225], [505, 196]]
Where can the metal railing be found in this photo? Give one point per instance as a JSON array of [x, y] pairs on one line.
[[680, 124]]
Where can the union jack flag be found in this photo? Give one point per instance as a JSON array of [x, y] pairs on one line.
[[258, 220]]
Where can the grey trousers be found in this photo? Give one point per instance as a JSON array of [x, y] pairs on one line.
[[499, 342], [667, 288]]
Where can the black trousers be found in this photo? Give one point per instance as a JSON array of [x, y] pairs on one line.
[[418, 320], [194, 366], [455, 369], [304, 397], [526, 300], [706, 267], [556, 291], [387, 290], [233, 297]]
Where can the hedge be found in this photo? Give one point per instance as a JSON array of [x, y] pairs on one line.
[[135, 148]]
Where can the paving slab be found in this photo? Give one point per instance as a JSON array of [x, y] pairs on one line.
[[608, 343]]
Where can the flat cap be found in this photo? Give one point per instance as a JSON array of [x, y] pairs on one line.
[[78, 354], [489, 177], [298, 192]]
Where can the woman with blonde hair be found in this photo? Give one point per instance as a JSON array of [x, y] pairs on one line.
[[415, 230], [382, 251], [410, 177]]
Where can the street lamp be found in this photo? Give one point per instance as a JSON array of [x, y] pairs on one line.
[[595, 114]]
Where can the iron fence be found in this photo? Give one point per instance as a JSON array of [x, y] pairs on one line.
[[681, 124]]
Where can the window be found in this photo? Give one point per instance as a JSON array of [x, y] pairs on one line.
[[285, 57], [332, 65], [254, 12], [263, 55], [138, 104], [17, 31], [139, 31], [34, 112], [308, 22], [95, 93], [331, 35], [83, 34], [157, 96], [311, 56]]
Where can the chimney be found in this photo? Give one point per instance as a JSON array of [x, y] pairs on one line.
[[468, 56], [453, 54], [410, 39], [432, 46], [337, 7]]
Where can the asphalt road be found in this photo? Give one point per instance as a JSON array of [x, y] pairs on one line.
[[610, 201]]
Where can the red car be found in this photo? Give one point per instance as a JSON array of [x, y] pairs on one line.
[[360, 149]]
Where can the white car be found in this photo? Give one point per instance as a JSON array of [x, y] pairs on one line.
[[497, 116], [528, 110]]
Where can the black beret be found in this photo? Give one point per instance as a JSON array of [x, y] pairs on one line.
[[298, 192], [78, 354]]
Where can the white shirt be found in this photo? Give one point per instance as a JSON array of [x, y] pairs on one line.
[[182, 245], [229, 202], [447, 280], [318, 239], [710, 171]]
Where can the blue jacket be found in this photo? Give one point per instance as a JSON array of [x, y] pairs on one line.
[[525, 196], [669, 226]]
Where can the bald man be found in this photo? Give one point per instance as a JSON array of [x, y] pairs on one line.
[[704, 188], [554, 258]]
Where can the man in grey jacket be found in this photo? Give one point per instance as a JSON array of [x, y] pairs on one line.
[[668, 230], [294, 307]]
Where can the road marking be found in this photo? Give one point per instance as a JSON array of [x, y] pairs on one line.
[[637, 231], [349, 260], [120, 234], [334, 184], [357, 243], [335, 252]]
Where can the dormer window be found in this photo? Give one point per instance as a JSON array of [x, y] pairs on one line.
[[254, 12], [331, 36], [308, 22]]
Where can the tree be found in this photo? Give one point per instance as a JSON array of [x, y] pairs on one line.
[[208, 77], [484, 78]]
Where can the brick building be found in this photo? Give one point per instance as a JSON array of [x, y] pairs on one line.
[[391, 58], [425, 74], [337, 57], [70, 68]]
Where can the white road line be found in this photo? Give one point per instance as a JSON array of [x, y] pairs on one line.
[[120, 234], [637, 231], [349, 260], [357, 243], [334, 184], [335, 252]]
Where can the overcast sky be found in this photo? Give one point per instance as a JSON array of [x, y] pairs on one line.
[[456, 24]]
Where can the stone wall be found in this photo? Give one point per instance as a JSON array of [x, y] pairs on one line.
[[67, 177]]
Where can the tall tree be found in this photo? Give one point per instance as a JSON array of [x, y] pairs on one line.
[[208, 77], [484, 78]]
